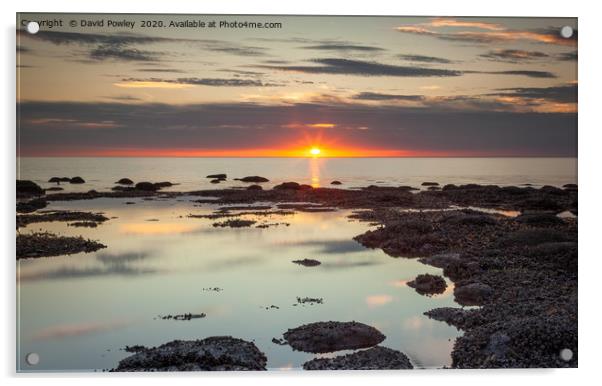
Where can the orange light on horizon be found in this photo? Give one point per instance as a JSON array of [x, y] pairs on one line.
[[315, 151]]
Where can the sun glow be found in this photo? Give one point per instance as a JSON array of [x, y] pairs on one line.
[[315, 151]]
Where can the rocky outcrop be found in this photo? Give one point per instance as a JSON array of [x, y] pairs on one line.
[[216, 353], [428, 284], [322, 337], [375, 358]]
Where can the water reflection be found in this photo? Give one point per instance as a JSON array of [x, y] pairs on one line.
[[161, 267]]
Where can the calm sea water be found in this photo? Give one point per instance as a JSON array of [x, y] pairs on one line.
[[101, 173], [78, 312]]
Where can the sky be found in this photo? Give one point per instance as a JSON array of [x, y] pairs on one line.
[[350, 86]]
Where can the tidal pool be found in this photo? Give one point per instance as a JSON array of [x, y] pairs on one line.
[[78, 312]]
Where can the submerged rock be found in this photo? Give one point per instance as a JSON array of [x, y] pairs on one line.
[[307, 262], [336, 183], [217, 353], [221, 176], [428, 284], [235, 223], [430, 184], [254, 179], [323, 337], [375, 358], [216, 181]]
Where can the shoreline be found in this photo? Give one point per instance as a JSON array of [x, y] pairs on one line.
[[521, 272]]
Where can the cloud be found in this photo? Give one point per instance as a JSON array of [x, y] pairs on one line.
[[344, 47], [567, 56], [106, 52], [161, 70], [448, 22], [119, 46], [562, 94], [357, 67], [528, 73], [424, 59], [457, 125], [514, 56], [373, 96], [550, 35], [182, 82]]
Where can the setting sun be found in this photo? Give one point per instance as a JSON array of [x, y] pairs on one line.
[[315, 151]]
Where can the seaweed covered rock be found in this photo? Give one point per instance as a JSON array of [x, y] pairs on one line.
[[35, 245], [375, 358], [322, 337], [216, 353], [428, 284]]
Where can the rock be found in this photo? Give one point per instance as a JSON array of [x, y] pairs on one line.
[[473, 294], [146, 186], [441, 260], [254, 187], [539, 219], [31, 205], [322, 337], [471, 219], [46, 244], [532, 237], [336, 183], [164, 184], [430, 184], [433, 188], [217, 176], [216, 353], [453, 316], [77, 180], [125, 181], [188, 316], [28, 188], [55, 179], [292, 186], [570, 186], [461, 269], [307, 262], [54, 189], [216, 181], [428, 284], [235, 223], [375, 358], [255, 179]]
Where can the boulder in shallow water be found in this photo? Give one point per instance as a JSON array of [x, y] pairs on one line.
[[217, 353], [146, 186], [292, 186], [428, 284], [336, 183], [254, 179], [427, 183], [221, 176], [125, 181], [77, 180], [376, 358], [322, 337], [254, 187]]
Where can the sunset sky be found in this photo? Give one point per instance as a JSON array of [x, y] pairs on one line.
[[351, 86]]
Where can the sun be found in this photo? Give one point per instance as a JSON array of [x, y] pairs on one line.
[[315, 151]]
